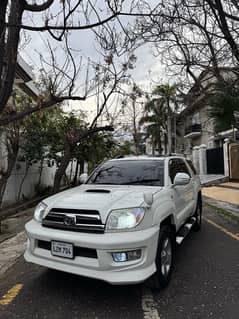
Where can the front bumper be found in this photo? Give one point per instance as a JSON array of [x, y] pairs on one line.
[[102, 267]]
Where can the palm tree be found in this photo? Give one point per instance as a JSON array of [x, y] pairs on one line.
[[159, 115]]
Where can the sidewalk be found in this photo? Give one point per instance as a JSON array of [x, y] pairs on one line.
[[11, 250], [225, 196], [13, 239], [211, 179]]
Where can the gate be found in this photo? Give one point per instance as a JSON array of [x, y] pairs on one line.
[[215, 161], [234, 160]]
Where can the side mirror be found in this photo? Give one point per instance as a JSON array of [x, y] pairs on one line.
[[148, 198], [83, 178], [181, 179]]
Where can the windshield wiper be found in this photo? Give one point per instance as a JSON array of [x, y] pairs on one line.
[[140, 181], [104, 183]]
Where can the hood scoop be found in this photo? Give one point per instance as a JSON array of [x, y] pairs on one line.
[[97, 190]]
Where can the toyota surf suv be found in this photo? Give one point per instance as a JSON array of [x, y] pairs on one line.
[[122, 224]]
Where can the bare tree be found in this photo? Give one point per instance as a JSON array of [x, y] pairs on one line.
[[58, 19], [194, 36]]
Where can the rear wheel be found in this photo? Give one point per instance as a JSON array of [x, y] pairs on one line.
[[164, 258], [198, 215]]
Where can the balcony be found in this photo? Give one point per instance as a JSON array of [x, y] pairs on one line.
[[193, 130]]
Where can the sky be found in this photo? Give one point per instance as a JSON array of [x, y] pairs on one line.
[[148, 70]]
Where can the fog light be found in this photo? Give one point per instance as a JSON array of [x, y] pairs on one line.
[[119, 257], [134, 254], [126, 256]]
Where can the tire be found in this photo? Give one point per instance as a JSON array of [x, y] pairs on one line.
[[198, 215], [164, 259]]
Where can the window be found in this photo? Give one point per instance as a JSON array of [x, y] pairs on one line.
[[177, 165]]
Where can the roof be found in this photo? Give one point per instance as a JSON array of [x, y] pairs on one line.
[[146, 157]]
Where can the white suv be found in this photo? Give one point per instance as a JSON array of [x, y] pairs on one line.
[[122, 224]]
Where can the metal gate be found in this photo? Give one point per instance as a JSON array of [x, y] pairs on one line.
[[215, 161], [234, 160]]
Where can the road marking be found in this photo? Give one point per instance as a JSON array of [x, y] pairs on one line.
[[10, 295], [224, 230], [148, 304]]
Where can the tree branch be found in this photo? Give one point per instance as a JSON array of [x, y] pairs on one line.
[[53, 101], [37, 7], [54, 27]]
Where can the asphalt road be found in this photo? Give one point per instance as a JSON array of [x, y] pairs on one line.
[[205, 284]]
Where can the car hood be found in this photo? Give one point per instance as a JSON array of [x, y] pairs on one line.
[[103, 198]]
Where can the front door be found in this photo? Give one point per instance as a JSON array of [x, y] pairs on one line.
[[182, 194]]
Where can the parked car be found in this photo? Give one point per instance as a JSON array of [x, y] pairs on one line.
[[122, 225]]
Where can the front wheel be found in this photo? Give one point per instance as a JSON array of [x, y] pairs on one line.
[[164, 258]]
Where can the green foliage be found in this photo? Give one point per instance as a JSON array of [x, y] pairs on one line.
[[41, 190], [157, 111], [95, 149], [61, 132], [37, 135], [224, 102]]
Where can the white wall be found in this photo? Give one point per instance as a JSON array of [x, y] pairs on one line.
[[28, 189]]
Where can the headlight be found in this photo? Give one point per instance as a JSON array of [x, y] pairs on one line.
[[125, 218], [39, 211]]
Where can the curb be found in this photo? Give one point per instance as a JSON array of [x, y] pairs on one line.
[[9, 212], [215, 182], [226, 210]]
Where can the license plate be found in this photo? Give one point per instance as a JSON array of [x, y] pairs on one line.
[[61, 249]]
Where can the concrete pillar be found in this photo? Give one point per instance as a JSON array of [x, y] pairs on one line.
[[226, 156], [202, 159], [195, 158], [86, 167]]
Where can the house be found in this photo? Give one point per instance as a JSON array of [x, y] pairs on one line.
[[194, 124], [24, 79], [195, 127]]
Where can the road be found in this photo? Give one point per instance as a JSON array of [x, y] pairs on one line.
[[205, 284]]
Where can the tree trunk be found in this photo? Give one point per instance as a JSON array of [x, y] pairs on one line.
[[74, 182], [3, 184], [3, 8], [160, 145], [11, 160], [10, 52], [82, 164], [169, 129], [22, 182], [40, 174], [71, 170], [61, 169]]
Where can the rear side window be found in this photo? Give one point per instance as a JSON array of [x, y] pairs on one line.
[[192, 166], [177, 165]]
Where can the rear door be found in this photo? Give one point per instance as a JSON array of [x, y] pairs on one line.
[[182, 194]]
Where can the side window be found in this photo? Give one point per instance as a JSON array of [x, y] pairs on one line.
[[177, 166], [173, 169], [184, 168]]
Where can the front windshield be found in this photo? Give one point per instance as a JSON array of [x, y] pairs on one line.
[[129, 172]]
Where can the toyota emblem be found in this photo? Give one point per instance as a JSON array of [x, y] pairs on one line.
[[70, 220]]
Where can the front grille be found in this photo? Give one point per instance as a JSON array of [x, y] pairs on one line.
[[78, 251], [80, 220]]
